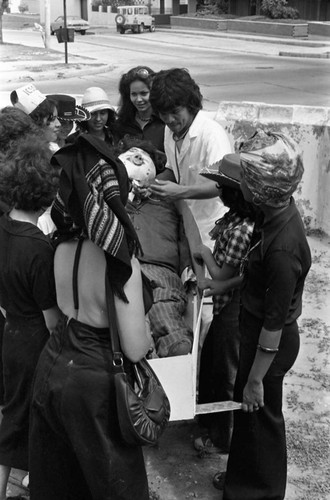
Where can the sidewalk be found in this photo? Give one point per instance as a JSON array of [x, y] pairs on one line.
[[314, 47]]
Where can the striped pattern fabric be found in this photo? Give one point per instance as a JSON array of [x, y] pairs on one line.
[[167, 323], [92, 195]]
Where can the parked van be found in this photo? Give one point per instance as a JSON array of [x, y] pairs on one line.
[[135, 18]]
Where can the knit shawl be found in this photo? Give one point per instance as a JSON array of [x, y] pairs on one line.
[[91, 198]]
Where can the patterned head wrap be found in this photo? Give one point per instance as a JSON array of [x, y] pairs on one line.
[[272, 167]]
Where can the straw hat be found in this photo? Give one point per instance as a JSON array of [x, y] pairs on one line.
[[67, 108], [95, 99], [27, 98], [226, 172]]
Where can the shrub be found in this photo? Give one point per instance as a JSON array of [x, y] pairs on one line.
[[212, 6], [23, 7], [278, 9]]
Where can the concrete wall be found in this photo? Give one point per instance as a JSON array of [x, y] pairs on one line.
[[99, 18], [310, 128], [261, 28]]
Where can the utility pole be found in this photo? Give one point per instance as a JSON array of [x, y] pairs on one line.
[[47, 24], [66, 41]]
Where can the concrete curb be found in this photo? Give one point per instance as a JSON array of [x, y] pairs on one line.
[[326, 55]]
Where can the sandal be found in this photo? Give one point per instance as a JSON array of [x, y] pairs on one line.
[[204, 444], [219, 480]]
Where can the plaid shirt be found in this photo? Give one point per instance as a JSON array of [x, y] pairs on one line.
[[232, 236]]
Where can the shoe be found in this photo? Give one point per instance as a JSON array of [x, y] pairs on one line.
[[219, 480], [25, 481], [204, 444], [180, 348]]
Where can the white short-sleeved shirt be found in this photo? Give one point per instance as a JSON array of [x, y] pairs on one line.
[[205, 143]]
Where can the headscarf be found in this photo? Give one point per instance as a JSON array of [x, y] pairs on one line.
[[272, 167]]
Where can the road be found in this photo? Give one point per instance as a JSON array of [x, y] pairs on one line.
[[225, 69]]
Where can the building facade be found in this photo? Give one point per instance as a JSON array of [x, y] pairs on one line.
[[311, 10]]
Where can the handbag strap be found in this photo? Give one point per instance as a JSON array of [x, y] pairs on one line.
[[75, 274], [114, 336]]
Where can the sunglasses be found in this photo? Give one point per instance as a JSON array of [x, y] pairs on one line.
[[142, 73]]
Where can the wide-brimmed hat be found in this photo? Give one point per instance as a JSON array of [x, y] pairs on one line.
[[226, 172], [68, 109], [95, 99], [27, 98]]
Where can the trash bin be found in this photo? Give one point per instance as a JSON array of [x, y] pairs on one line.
[[65, 35]]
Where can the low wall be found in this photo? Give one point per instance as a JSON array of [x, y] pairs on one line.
[[320, 29], [99, 18], [258, 27], [310, 128]]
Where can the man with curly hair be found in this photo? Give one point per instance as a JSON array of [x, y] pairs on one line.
[[192, 141]]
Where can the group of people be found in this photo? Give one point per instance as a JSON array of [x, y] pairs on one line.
[[88, 192]]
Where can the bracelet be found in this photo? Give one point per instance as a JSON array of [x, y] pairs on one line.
[[268, 350]]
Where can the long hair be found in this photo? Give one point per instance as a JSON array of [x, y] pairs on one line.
[[44, 110], [234, 200], [175, 88], [127, 110]]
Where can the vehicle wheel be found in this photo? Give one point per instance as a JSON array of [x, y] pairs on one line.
[[122, 31], [141, 28], [120, 19], [83, 32], [152, 28], [52, 32]]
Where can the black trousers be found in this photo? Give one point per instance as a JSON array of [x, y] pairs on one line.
[[218, 368], [257, 463], [23, 340], [76, 450]]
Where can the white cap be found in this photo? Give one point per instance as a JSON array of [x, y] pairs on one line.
[[27, 98]]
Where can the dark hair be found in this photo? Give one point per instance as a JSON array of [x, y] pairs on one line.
[[129, 142], [14, 123], [45, 110], [111, 121], [27, 179], [127, 110], [234, 200], [173, 88]]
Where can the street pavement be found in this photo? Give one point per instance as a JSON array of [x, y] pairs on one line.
[[175, 470], [15, 69]]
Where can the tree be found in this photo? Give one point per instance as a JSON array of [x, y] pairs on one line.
[[3, 7]]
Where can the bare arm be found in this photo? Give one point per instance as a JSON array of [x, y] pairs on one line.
[[171, 191], [217, 287], [204, 254], [51, 316], [131, 317], [253, 394]]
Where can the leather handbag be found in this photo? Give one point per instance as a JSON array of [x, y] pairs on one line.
[[142, 404]]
